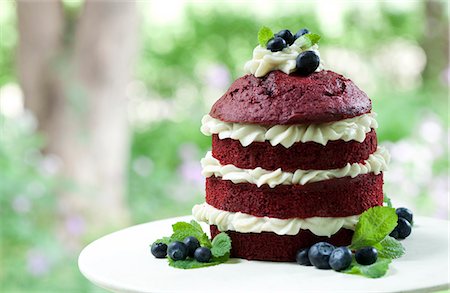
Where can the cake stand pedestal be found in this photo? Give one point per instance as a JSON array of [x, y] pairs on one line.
[[122, 262]]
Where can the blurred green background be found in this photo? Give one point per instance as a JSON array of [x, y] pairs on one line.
[[187, 54]]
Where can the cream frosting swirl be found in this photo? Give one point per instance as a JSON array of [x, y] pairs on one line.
[[376, 163], [264, 61], [354, 128], [245, 223]]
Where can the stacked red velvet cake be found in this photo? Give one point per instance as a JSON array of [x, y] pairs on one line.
[[294, 161]]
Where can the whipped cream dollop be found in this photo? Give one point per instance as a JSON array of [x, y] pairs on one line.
[[376, 163], [245, 223], [264, 60], [354, 128]]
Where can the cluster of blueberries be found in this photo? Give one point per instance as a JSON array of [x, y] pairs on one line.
[[324, 255], [404, 224], [177, 250], [306, 62]]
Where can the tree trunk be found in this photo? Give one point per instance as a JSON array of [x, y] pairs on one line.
[[77, 91], [435, 40]]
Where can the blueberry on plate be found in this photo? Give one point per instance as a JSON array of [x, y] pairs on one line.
[[307, 62], [405, 214], [301, 32], [202, 254], [192, 244], [394, 234], [302, 257], [319, 255], [402, 230], [276, 44], [159, 250], [177, 250], [340, 258], [286, 35], [366, 255]]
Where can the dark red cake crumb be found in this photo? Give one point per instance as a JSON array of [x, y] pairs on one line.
[[330, 198], [305, 156], [273, 247], [279, 98]]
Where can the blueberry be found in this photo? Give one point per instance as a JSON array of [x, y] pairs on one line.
[[177, 250], [405, 214], [192, 244], [301, 32], [302, 257], [276, 44], [394, 233], [159, 250], [366, 255], [402, 230], [202, 254], [286, 35], [340, 258], [307, 62], [319, 255]]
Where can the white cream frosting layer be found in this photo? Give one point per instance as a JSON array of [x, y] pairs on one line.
[[264, 61], [354, 128], [376, 163], [245, 223]]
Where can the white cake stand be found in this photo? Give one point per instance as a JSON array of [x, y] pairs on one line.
[[122, 262]]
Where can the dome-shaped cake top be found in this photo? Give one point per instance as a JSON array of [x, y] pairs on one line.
[[279, 98]]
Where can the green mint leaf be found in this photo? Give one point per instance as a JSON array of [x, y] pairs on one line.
[[307, 41], [390, 248], [387, 200], [221, 245], [264, 35], [182, 230], [165, 240], [191, 263], [376, 270], [373, 226], [196, 225]]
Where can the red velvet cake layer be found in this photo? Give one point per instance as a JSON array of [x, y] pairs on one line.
[[305, 156], [279, 98], [273, 247], [330, 198]]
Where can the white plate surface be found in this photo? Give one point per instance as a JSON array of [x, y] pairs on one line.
[[122, 262]]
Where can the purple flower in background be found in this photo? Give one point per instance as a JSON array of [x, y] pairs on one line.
[[192, 172], [143, 166], [21, 204], [445, 76], [38, 263], [190, 168], [217, 76], [75, 225]]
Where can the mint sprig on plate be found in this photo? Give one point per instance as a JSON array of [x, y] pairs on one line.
[[373, 229], [220, 246]]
